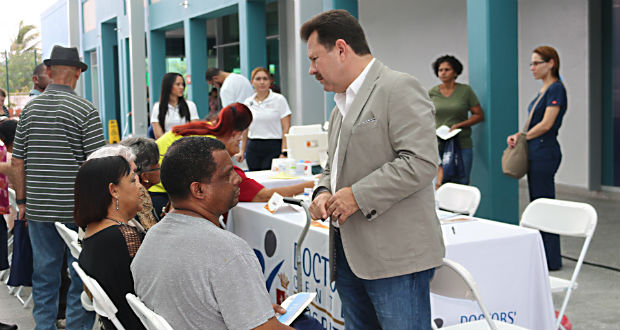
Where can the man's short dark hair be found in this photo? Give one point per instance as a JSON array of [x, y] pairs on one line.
[[2, 93], [211, 72], [39, 69], [189, 159], [333, 25], [456, 65]]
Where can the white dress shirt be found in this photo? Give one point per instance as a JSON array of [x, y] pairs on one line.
[[235, 88], [343, 102]]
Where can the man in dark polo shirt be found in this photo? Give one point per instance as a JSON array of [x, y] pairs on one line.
[[56, 132]]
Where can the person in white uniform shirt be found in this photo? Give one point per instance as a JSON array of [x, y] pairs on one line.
[[233, 87], [272, 119], [172, 108]]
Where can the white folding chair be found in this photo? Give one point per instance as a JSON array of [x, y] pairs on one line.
[[150, 319], [562, 218], [69, 236], [13, 204], [137, 224], [101, 302], [454, 281], [458, 198]]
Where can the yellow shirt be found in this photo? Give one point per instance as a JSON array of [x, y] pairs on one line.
[[163, 143]]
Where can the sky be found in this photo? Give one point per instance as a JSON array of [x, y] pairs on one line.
[[12, 11]]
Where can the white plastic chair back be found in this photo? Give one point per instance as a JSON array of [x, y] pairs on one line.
[[68, 236], [137, 224], [458, 198], [560, 217], [150, 319], [12, 199], [101, 302], [563, 218], [305, 129], [454, 281]]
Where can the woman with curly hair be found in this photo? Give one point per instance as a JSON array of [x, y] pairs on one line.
[[453, 102]]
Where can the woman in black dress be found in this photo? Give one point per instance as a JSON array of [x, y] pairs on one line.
[[106, 197]]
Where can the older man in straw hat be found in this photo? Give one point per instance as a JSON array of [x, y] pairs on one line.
[[56, 132]]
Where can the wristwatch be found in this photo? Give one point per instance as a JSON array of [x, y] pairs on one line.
[[20, 201]]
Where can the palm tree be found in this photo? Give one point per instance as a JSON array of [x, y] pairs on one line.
[[26, 39]]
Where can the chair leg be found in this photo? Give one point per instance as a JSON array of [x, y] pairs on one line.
[[27, 302]]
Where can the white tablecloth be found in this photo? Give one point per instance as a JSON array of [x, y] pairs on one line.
[[263, 177], [507, 262]]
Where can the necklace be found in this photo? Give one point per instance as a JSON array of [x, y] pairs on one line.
[[187, 210], [119, 222]]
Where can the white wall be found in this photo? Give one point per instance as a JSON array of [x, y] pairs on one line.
[[562, 24], [409, 35]]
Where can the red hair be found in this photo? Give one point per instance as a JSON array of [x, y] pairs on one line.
[[234, 117]]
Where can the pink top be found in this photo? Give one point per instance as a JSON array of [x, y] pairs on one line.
[[4, 183]]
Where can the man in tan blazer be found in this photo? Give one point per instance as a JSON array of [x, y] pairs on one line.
[[385, 239]]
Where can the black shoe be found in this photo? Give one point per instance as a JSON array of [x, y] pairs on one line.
[[4, 326]]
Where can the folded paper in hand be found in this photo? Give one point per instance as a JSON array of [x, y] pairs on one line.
[[295, 305], [444, 132]]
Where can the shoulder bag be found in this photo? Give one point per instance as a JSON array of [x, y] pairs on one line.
[[514, 159]]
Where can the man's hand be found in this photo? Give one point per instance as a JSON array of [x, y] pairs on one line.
[[318, 208], [342, 205], [278, 309], [22, 211]]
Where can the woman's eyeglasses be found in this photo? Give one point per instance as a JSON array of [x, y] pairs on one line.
[[151, 170], [537, 63]]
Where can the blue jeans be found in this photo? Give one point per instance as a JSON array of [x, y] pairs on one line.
[[400, 302], [48, 250], [468, 159]]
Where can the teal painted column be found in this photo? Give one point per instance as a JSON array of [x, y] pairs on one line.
[[492, 48], [86, 78], [607, 63], [352, 7], [109, 94], [252, 34], [157, 64], [196, 59]]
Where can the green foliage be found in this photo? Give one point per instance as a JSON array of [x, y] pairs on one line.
[[21, 58], [20, 71], [26, 40]]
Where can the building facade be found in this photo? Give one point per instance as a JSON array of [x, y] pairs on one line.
[[493, 39]]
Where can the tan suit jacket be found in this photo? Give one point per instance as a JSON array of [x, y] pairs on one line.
[[388, 155]]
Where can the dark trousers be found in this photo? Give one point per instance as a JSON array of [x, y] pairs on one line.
[[260, 152], [541, 183], [65, 283]]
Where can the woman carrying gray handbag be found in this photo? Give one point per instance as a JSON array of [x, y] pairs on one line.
[[543, 149]]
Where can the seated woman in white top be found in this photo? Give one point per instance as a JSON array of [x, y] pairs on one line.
[[272, 119], [172, 109]]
